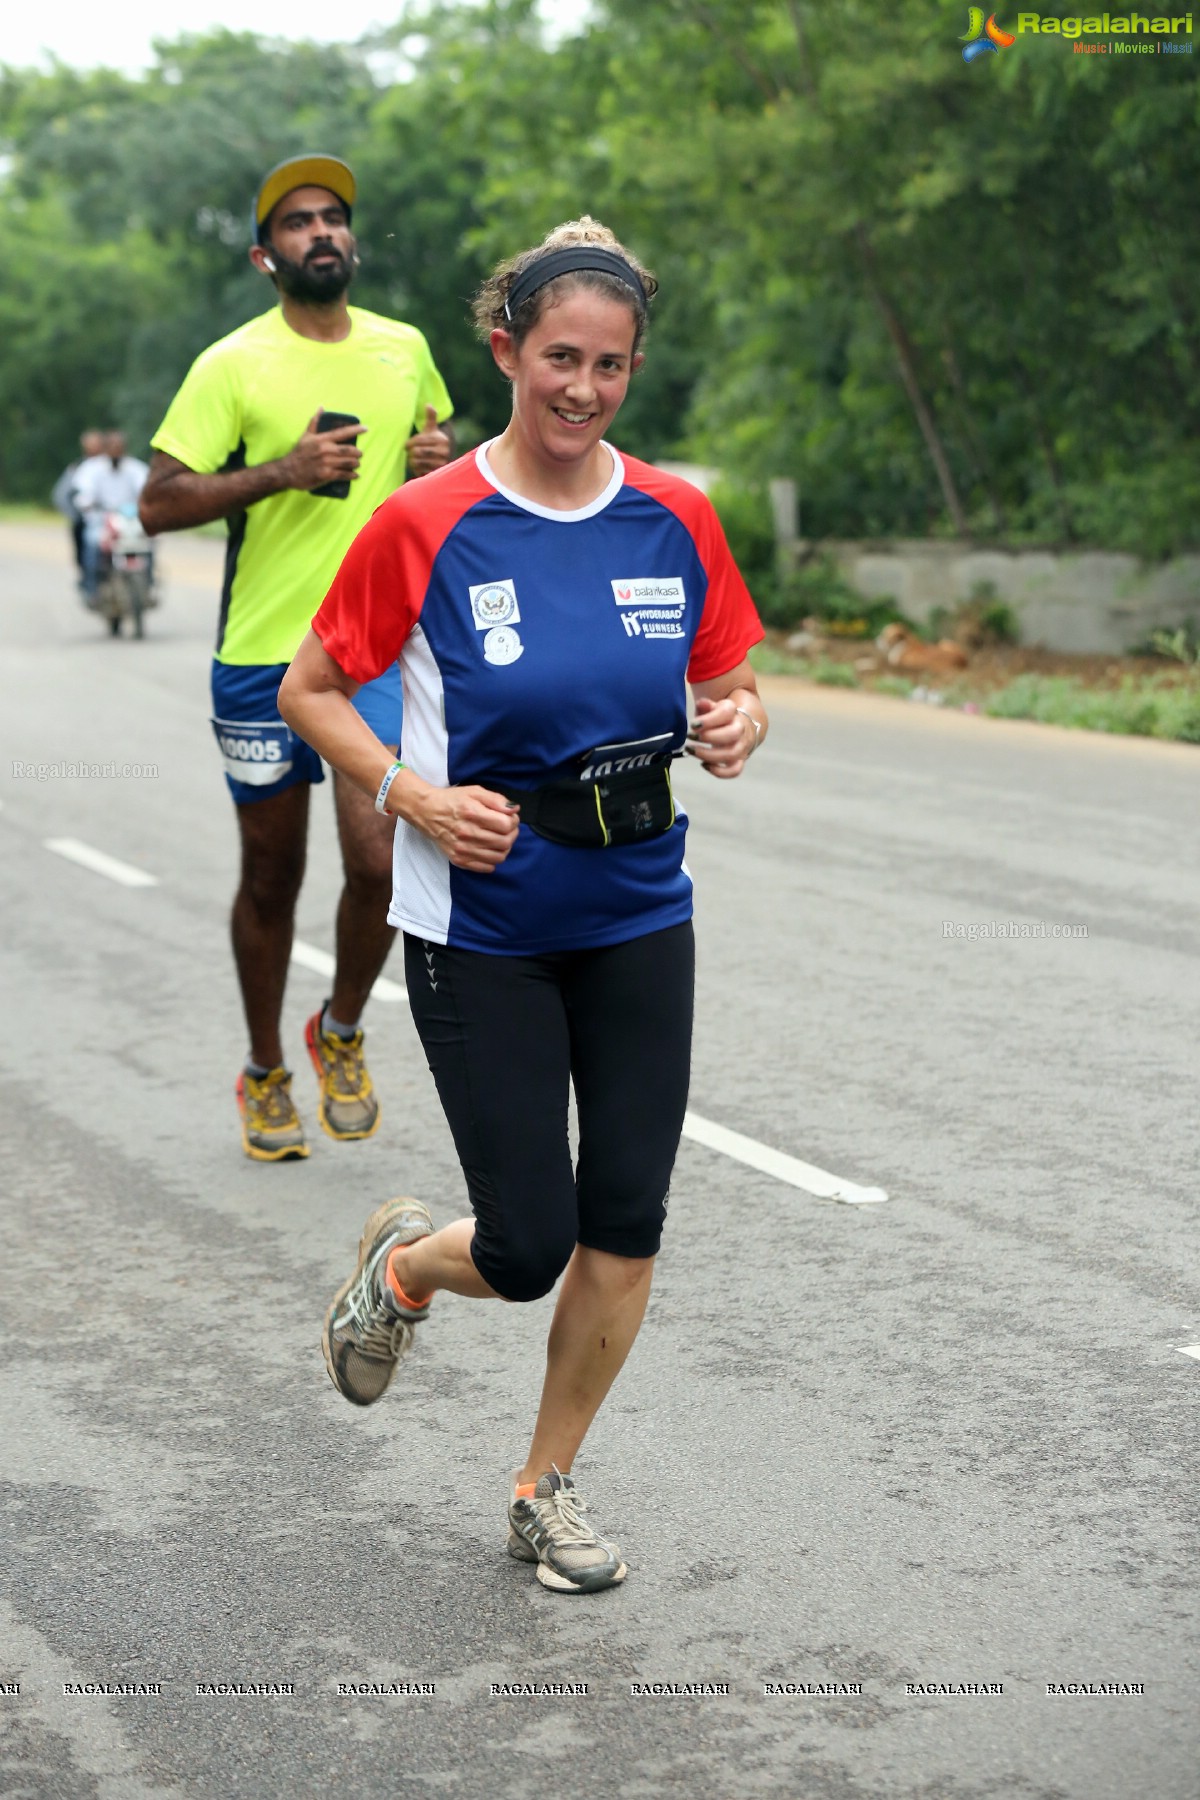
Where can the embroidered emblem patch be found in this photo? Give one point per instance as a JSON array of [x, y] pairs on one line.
[[494, 603], [502, 645]]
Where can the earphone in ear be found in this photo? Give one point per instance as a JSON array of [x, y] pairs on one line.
[[267, 263]]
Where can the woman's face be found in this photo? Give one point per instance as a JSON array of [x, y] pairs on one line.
[[570, 374]]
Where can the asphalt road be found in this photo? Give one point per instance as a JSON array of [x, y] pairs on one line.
[[945, 1440]]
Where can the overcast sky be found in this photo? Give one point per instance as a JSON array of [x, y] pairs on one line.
[[118, 35]]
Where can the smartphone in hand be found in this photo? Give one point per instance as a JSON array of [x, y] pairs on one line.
[[329, 421]]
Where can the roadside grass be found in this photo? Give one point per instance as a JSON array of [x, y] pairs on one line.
[[1141, 706], [1158, 706], [27, 512], [770, 661]]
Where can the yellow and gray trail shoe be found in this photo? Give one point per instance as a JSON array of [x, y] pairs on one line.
[[369, 1327], [271, 1128], [349, 1108], [545, 1526]]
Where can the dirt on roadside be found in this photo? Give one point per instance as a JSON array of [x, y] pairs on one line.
[[989, 667]]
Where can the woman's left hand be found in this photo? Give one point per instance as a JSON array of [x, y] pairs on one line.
[[721, 738]]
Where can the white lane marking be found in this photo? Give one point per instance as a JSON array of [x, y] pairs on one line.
[[773, 1162], [321, 963], [1190, 1350], [99, 863]]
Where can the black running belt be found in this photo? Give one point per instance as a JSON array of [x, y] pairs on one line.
[[624, 808]]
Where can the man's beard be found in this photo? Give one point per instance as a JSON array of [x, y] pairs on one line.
[[301, 281]]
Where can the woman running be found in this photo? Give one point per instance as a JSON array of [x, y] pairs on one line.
[[548, 600]]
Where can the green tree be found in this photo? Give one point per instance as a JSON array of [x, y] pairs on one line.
[[134, 198], [936, 298], [940, 296]]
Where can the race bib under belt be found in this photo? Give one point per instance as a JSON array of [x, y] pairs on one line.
[[255, 754]]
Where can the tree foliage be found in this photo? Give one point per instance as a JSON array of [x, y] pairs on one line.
[[941, 297]]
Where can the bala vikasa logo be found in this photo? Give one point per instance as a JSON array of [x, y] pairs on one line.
[[980, 39]]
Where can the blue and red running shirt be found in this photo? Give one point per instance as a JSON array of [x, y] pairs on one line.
[[526, 639]]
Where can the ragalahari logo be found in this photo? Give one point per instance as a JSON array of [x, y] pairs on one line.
[[984, 39]]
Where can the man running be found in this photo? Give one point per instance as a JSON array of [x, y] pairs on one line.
[[251, 438]]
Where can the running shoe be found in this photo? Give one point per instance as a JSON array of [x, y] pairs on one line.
[[349, 1108], [547, 1528], [271, 1128], [369, 1328]]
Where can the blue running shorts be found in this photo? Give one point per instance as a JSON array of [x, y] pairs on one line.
[[262, 755]]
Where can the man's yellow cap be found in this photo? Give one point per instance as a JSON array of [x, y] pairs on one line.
[[303, 171]]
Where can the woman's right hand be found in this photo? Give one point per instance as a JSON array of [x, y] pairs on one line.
[[472, 826]]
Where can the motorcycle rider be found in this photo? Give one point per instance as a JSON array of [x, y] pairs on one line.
[[91, 443], [111, 482]]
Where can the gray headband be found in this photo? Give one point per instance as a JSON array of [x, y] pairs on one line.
[[566, 262]]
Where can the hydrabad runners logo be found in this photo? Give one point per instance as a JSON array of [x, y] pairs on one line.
[[984, 38], [651, 607]]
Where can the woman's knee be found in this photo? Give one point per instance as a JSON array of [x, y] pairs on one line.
[[615, 1270], [522, 1268]]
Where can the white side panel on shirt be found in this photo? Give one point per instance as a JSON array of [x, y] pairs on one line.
[[420, 872]]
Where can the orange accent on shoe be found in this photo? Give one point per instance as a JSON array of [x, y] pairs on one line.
[[526, 1490], [402, 1297]]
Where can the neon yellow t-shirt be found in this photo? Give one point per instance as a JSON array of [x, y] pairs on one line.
[[246, 400]]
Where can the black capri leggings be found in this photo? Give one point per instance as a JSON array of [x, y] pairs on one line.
[[504, 1037]]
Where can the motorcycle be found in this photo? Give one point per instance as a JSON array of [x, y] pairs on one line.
[[126, 587]]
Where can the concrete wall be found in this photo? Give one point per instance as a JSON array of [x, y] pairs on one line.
[[1087, 602]]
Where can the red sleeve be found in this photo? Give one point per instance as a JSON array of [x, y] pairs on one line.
[[377, 594], [374, 601], [729, 624]]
